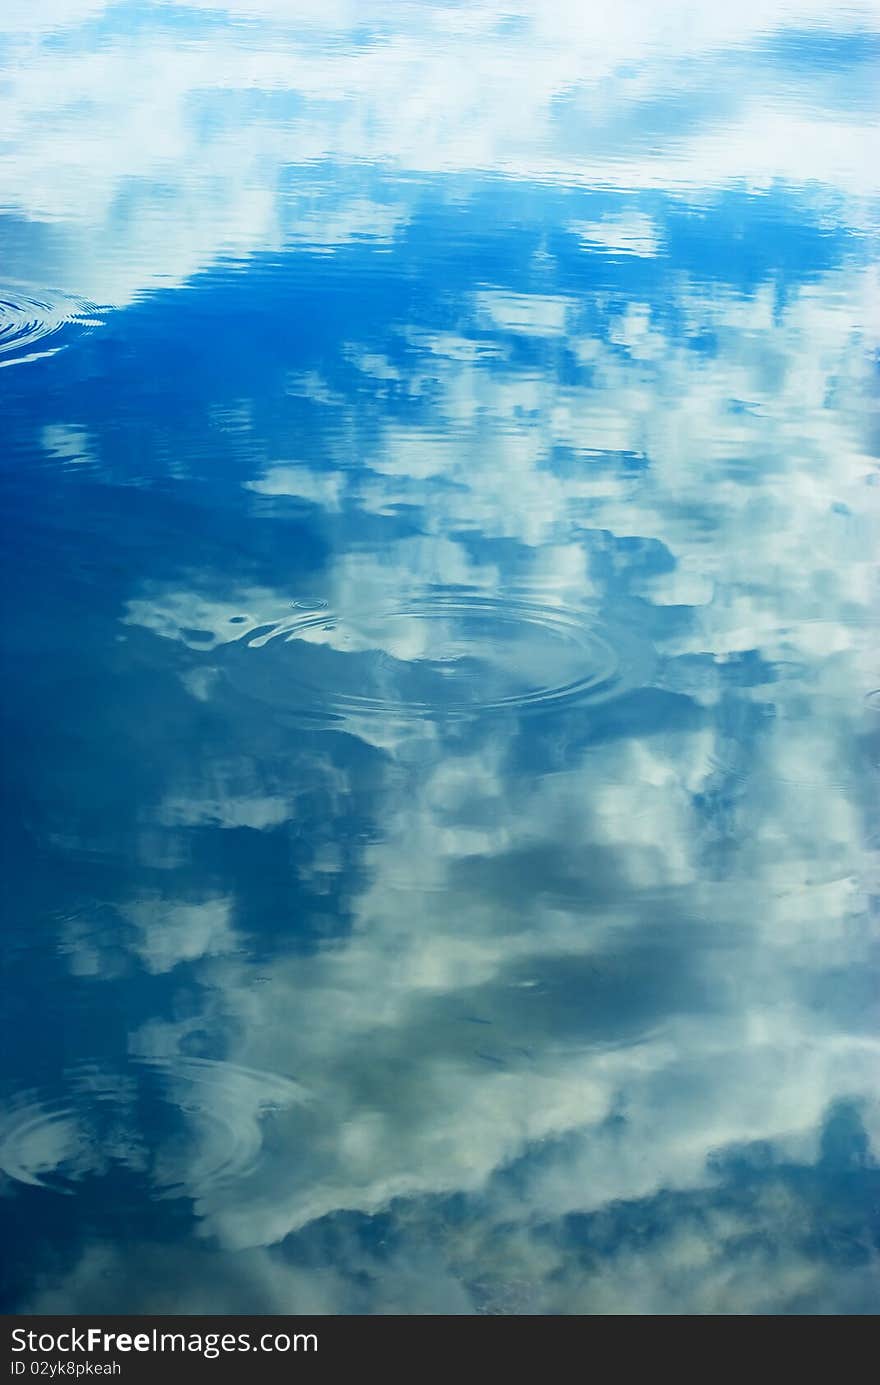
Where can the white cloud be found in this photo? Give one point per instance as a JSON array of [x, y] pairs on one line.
[[600, 971], [169, 931], [435, 1035], [533, 315], [114, 144], [300, 482], [629, 233]]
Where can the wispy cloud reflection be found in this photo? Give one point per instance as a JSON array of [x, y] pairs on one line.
[[462, 820], [590, 961], [221, 121]]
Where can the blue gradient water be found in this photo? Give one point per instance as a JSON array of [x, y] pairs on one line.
[[441, 727]]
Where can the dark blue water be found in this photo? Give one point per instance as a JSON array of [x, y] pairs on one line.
[[441, 676]]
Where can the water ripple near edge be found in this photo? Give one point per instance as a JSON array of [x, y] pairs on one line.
[[35, 327], [56, 1137]]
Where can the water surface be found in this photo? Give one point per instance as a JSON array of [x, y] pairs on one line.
[[441, 697]]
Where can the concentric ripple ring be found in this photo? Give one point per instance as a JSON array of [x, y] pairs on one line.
[[35, 327], [442, 654], [55, 1138]]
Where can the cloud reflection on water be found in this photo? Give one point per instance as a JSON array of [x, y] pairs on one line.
[[579, 992]]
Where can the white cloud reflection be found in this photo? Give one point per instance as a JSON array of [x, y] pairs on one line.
[[220, 135], [593, 981], [570, 973]]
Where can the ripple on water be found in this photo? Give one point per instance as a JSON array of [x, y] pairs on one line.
[[225, 1107], [41, 1142], [34, 327], [440, 655], [56, 1138]]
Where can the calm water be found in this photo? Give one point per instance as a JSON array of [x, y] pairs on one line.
[[441, 697]]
